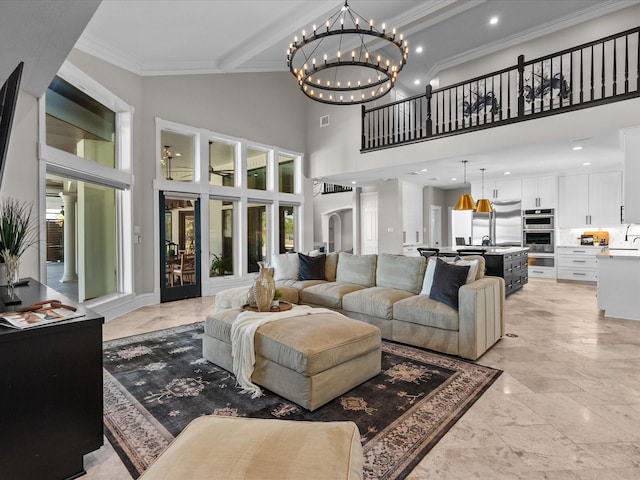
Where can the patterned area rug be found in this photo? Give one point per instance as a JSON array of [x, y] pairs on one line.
[[156, 383]]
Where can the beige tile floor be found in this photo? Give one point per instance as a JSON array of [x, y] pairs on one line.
[[566, 407]]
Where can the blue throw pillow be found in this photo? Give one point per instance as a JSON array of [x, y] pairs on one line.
[[447, 280], [311, 268]]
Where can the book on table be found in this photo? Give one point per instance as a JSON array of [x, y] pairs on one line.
[[30, 319]]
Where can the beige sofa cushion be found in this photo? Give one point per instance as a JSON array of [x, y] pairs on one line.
[[330, 266], [357, 269], [297, 284], [400, 272], [235, 448], [328, 294], [422, 310], [375, 301]]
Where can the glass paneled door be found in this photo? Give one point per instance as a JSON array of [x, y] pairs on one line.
[[179, 246]]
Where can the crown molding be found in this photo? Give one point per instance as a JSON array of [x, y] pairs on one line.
[[87, 43], [599, 10]]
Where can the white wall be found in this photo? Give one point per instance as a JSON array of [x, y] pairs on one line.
[[20, 178], [389, 216]]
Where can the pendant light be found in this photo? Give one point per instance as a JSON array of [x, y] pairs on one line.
[[483, 205], [465, 201]]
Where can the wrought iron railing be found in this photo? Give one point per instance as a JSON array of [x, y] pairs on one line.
[[603, 71], [331, 188]]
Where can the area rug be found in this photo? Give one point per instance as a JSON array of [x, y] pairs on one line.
[[156, 383]]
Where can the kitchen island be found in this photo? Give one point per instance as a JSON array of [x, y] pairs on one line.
[[619, 283], [510, 263]]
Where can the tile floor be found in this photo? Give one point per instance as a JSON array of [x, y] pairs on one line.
[[566, 407]]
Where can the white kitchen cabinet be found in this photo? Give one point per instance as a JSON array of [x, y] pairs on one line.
[[578, 263], [504, 190], [498, 190], [539, 192], [590, 200], [631, 175], [412, 201]]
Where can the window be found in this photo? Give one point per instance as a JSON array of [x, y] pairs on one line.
[[222, 164], [256, 169], [256, 235], [221, 214], [78, 124], [286, 221], [286, 174], [85, 149], [176, 160], [250, 198]]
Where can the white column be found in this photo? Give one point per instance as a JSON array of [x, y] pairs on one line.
[[69, 201]]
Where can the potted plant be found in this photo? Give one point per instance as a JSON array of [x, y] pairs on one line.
[[18, 231], [277, 295]]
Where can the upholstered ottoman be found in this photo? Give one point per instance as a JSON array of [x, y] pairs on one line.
[[308, 359], [234, 448]]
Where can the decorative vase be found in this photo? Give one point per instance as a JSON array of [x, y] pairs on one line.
[[251, 298], [264, 288], [12, 264]]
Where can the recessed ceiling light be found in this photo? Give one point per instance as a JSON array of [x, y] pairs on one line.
[[586, 164], [507, 173], [577, 147], [416, 81], [178, 154], [353, 183], [493, 20], [424, 170], [419, 49], [453, 179]]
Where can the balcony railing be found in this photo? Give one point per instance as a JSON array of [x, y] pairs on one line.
[[332, 188], [592, 74]]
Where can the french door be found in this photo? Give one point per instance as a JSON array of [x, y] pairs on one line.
[[180, 275]]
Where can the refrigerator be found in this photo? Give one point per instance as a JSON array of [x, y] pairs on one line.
[[503, 226]]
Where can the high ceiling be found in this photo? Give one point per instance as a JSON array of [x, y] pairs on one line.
[[162, 37]]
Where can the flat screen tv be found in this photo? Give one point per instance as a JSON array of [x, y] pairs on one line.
[[8, 99]]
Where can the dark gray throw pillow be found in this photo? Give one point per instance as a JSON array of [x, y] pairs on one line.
[[311, 268], [447, 280]]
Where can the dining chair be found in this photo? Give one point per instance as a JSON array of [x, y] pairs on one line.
[[186, 270], [428, 252]]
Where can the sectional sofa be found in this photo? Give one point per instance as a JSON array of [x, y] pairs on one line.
[[402, 296]]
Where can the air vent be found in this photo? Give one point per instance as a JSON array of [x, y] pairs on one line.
[[324, 121]]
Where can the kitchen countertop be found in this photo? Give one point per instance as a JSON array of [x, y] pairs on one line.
[[487, 250], [613, 252]]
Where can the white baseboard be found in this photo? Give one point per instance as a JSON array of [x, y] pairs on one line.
[[115, 308]]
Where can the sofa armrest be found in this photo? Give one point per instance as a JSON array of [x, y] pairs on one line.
[[481, 316]]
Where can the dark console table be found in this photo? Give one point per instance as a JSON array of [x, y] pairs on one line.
[[50, 392]]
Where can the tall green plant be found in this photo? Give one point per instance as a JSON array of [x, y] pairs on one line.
[[18, 228]]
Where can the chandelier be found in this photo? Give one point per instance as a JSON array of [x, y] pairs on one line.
[[336, 63]]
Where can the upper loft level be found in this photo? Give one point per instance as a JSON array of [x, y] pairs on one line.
[[592, 74]]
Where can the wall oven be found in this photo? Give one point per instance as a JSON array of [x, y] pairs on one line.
[[538, 230], [538, 219], [540, 241]]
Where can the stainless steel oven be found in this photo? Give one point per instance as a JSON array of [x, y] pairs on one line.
[[542, 219], [539, 240]]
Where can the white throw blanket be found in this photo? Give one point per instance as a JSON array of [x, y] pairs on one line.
[[243, 332]]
